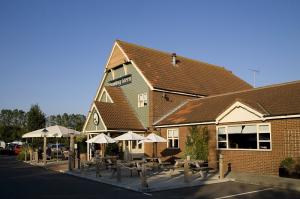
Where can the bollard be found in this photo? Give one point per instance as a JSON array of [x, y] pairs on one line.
[[186, 171], [118, 171], [221, 167], [144, 183]]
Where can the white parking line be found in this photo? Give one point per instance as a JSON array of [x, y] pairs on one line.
[[240, 194]]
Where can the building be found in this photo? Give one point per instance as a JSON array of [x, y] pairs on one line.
[[145, 90]]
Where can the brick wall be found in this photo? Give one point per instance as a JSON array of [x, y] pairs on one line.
[[259, 162], [264, 162]]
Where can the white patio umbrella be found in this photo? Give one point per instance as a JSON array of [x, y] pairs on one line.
[[51, 132], [130, 136], [153, 138], [101, 139]]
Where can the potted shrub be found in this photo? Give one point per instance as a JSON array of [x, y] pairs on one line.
[[286, 167]]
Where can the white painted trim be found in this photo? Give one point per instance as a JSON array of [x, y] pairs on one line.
[[236, 105], [186, 124], [241, 124], [142, 75], [100, 86], [177, 129], [282, 117], [107, 95], [90, 112], [179, 93]]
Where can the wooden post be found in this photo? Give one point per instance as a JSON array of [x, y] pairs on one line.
[[143, 176], [45, 146], [118, 171], [221, 167], [71, 153]]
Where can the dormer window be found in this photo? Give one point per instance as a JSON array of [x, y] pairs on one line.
[[142, 100]]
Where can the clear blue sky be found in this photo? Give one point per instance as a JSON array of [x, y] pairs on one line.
[[52, 52]]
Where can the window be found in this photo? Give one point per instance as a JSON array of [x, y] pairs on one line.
[[142, 100], [252, 136], [173, 138]]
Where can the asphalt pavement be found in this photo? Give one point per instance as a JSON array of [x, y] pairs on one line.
[[20, 180]]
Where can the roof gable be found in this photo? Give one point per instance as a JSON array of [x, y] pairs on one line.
[[239, 112]]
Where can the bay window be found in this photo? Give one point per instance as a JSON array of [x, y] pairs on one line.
[[250, 136]]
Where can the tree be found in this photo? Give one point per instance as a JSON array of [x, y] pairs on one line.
[[196, 145], [35, 118]]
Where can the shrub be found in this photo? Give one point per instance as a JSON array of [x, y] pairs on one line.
[[21, 155], [287, 163], [112, 149], [196, 145]]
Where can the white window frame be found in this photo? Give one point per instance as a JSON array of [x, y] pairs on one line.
[[172, 138], [142, 99], [257, 135]]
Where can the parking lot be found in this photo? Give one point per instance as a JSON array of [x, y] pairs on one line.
[[20, 180]]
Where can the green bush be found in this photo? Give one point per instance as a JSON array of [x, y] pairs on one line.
[[196, 145], [287, 163]]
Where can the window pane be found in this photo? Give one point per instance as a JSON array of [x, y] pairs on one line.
[[170, 133], [222, 137], [264, 128], [175, 134], [242, 141], [133, 144], [170, 141], [265, 145], [234, 129], [221, 130], [175, 143], [249, 129], [264, 136], [222, 145], [139, 146]]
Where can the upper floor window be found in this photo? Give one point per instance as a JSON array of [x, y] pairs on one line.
[[173, 138], [142, 99], [250, 136]]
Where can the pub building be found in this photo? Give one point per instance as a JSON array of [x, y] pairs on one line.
[[145, 90]]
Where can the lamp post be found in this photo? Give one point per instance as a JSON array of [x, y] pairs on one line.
[[45, 131]]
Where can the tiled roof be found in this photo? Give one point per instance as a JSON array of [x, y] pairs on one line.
[[189, 76], [118, 115], [275, 100]]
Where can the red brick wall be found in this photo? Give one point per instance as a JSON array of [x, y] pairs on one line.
[[259, 162], [263, 162]]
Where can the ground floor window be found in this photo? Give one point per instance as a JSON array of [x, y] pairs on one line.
[[252, 136], [173, 138]]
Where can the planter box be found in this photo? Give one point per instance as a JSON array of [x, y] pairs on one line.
[[283, 172]]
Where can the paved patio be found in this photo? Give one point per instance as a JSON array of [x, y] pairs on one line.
[[157, 181]]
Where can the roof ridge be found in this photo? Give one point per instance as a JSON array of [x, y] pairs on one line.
[[169, 53], [252, 89]]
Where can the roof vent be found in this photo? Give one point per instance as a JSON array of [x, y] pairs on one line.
[[174, 61]]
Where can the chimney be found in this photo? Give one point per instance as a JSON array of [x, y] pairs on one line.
[[174, 61]]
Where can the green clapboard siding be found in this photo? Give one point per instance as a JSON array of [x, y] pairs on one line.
[[91, 126], [132, 90]]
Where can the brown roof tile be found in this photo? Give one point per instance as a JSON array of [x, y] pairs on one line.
[[118, 115], [275, 100], [189, 76]]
